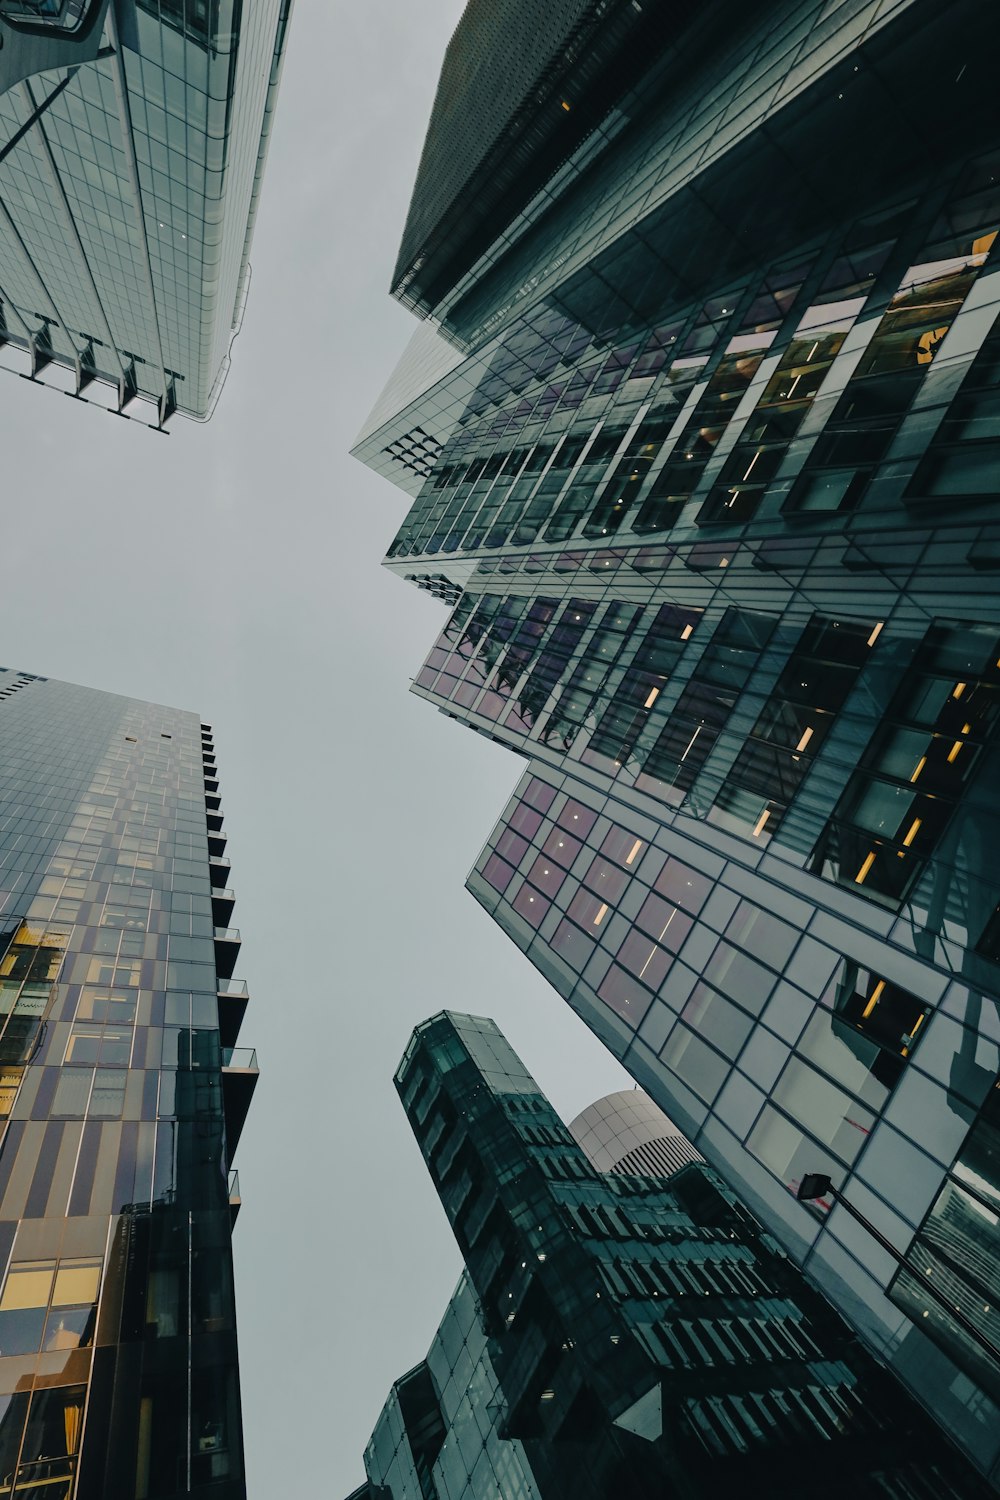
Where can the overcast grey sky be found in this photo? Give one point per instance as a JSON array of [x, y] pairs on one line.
[[234, 569]]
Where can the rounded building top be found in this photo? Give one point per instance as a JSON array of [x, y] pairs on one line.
[[627, 1133]]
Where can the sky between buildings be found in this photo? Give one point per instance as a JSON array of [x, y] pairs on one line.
[[234, 569]]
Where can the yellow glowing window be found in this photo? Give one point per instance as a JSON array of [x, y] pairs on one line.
[[28, 1285], [77, 1283], [10, 1082]]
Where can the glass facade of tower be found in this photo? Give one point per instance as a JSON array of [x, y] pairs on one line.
[[617, 1334], [132, 146], [122, 1096], [713, 495]]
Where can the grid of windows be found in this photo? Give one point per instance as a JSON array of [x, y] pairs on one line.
[[735, 363], [117, 1118], [649, 1316], [130, 195]]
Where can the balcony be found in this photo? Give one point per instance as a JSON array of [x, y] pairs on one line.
[[218, 870], [211, 783], [239, 1079], [234, 997], [213, 800], [234, 1197], [222, 906], [216, 845], [227, 950], [213, 818]]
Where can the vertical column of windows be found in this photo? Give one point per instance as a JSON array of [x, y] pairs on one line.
[[703, 708], [619, 727], [481, 521], [543, 497], [963, 459], [793, 725], [895, 363], [579, 697], [750, 337], [957, 1250], [616, 498], [791, 390], [518, 655], [593, 462], [558, 651], [520, 491], [896, 807]]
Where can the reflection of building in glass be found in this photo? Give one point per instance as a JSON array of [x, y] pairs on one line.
[[629, 1134], [616, 1334], [132, 146], [705, 465], [122, 1096]]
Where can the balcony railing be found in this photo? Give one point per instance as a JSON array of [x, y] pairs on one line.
[[239, 1079], [227, 948], [243, 1058], [223, 901], [233, 1000]]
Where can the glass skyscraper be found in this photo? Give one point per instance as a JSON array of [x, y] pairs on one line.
[[132, 146], [122, 1097], [700, 431], [621, 1335]]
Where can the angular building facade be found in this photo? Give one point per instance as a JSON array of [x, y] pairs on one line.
[[132, 144], [122, 1097], [700, 434], [621, 1335]]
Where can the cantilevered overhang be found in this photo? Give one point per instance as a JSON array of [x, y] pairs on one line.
[[239, 1079]]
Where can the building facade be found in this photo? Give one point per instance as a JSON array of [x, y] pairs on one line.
[[132, 146], [122, 1097], [627, 1133], [620, 1335], [700, 435]]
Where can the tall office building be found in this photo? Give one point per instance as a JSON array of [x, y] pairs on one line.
[[627, 1133], [122, 1097], [621, 1335], [133, 135], [700, 433]]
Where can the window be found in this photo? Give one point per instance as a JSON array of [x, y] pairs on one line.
[[48, 1304], [882, 1014], [792, 726], [625, 717], [576, 819], [531, 905], [957, 1247], [897, 805], [703, 708], [561, 847], [498, 873]]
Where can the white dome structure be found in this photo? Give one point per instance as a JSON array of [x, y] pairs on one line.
[[628, 1134]]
